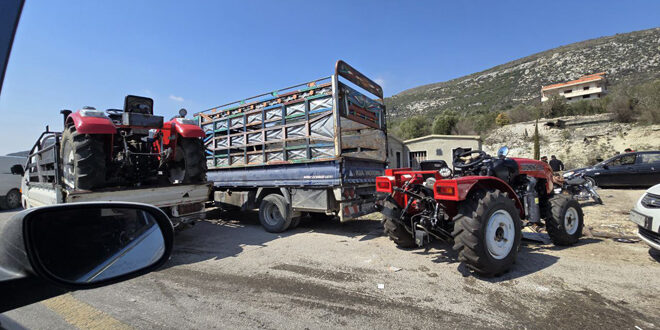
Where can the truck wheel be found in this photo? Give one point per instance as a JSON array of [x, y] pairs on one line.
[[274, 213], [12, 200], [189, 164], [487, 232], [398, 234], [83, 160], [565, 223]]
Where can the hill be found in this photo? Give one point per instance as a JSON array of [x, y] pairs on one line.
[[627, 58], [580, 142]]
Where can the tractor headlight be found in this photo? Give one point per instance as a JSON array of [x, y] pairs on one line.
[[445, 172], [186, 121], [92, 113]]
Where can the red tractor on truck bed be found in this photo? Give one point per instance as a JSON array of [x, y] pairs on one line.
[[130, 147], [480, 206]]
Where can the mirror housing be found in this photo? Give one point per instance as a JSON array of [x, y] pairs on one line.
[[17, 169], [502, 152], [85, 245]]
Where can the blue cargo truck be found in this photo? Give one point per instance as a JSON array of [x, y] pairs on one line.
[[312, 148]]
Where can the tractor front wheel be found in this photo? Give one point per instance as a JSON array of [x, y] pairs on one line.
[[189, 163], [83, 160], [487, 232], [565, 223]]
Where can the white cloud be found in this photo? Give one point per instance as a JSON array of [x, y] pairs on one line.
[[380, 81], [176, 98]]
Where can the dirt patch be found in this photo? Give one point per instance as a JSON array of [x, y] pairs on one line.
[[611, 218]]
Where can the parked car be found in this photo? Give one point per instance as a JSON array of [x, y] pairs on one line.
[[631, 169], [10, 182], [646, 214]]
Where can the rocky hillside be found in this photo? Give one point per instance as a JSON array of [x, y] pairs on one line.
[[578, 140], [630, 57]]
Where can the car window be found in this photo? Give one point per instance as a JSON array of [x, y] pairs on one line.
[[653, 158], [623, 160]]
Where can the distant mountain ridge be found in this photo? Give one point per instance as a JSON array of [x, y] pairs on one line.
[[630, 57]]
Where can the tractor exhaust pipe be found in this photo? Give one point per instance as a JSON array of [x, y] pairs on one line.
[[65, 113]]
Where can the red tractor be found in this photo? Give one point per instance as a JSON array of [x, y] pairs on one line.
[[480, 206], [130, 147]]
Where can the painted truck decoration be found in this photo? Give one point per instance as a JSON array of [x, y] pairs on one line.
[[315, 147]]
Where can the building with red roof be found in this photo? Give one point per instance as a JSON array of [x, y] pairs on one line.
[[588, 87]]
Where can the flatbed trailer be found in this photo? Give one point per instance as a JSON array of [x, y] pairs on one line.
[[42, 185], [317, 147]]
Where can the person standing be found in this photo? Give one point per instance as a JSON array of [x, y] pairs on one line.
[[556, 164], [544, 159]]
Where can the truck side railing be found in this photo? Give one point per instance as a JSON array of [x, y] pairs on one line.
[[42, 164]]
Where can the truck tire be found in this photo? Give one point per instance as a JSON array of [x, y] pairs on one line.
[[12, 200], [398, 234], [83, 160], [274, 213], [566, 220], [487, 232], [189, 164]]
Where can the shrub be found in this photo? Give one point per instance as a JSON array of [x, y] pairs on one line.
[[502, 119]]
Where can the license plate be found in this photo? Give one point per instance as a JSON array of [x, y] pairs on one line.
[[640, 219]]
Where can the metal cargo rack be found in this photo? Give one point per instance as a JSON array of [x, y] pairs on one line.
[[296, 124]]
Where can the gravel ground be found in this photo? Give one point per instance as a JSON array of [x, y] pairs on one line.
[[230, 273]]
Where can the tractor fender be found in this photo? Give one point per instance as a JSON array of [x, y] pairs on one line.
[[90, 125], [188, 130], [464, 185]]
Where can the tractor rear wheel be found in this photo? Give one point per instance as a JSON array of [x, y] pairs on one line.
[[566, 220], [189, 164], [487, 232], [83, 160]]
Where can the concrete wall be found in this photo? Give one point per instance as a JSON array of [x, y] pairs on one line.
[[440, 147], [396, 147]]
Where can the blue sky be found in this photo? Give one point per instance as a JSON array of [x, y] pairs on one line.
[[198, 54]]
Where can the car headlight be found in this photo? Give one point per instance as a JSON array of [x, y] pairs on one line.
[[445, 172], [651, 201], [569, 173]]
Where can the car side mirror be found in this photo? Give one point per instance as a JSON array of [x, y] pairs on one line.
[[17, 169], [605, 166], [87, 245]]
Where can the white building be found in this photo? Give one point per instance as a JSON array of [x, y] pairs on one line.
[[593, 86]]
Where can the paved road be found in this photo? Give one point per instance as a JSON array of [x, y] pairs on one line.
[[232, 274]]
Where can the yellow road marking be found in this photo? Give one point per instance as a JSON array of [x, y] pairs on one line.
[[82, 315]]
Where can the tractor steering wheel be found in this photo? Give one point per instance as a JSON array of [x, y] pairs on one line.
[[114, 112], [458, 162]]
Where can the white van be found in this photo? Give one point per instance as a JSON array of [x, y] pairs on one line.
[[10, 183]]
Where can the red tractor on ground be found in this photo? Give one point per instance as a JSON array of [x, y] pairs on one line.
[[480, 206], [130, 147]]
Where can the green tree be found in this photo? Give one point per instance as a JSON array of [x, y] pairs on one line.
[[444, 124], [554, 107], [537, 144], [414, 127]]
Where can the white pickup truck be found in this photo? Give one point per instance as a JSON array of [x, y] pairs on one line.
[[10, 182], [42, 185]]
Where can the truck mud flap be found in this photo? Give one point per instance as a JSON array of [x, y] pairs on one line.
[[356, 209]]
